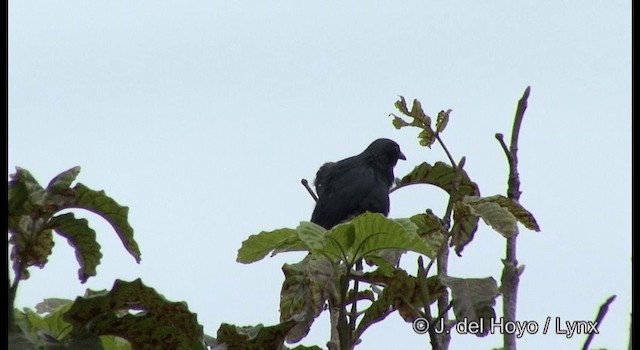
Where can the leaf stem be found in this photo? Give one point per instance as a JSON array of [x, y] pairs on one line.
[[453, 163]]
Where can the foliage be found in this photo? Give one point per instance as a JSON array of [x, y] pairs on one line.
[[32, 219], [331, 277]]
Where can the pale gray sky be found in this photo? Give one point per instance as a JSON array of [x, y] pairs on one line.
[[202, 116]]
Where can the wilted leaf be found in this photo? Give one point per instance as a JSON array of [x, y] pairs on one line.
[[307, 286], [83, 240], [253, 337], [501, 213], [499, 218], [398, 122], [401, 105], [473, 299], [465, 224], [24, 177], [426, 137], [50, 305], [419, 115], [517, 210], [115, 214], [429, 228], [442, 120], [302, 347], [443, 176], [400, 289], [158, 323], [30, 250], [63, 180]]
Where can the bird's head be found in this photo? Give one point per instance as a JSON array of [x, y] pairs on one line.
[[386, 149]]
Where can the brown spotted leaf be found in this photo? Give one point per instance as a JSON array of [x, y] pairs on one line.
[[152, 322]]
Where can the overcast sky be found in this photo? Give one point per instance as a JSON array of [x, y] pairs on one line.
[[203, 116]]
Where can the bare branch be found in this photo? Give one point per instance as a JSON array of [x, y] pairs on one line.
[[601, 313], [424, 289], [510, 274], [500, 139], [305, 183]]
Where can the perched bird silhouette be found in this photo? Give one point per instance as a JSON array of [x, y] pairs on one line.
[[356, 184]]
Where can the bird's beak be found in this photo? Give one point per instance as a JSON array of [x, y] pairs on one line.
[[402, 156]]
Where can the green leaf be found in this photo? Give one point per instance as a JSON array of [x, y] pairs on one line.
[[443, 176], [442, 120], [110, 342], [157, 322], [312, 235], [53, 325], [83, 240], [307, 285], [374, 232], [115, 214], [18, 340], [385, 261], [256, 247], [473, 299], [340, 242], [253, 337]]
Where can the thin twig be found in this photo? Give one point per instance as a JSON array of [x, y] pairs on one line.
[[353, 315], [441, 315], [305, 183], [601, 313], [510, 274], [500, 139], [424, 289]]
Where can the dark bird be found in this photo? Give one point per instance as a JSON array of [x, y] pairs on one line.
[[356, 184]]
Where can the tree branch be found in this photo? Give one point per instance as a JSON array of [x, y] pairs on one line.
[[601, 313], [510, 274], [424, 290], [305, 183]]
